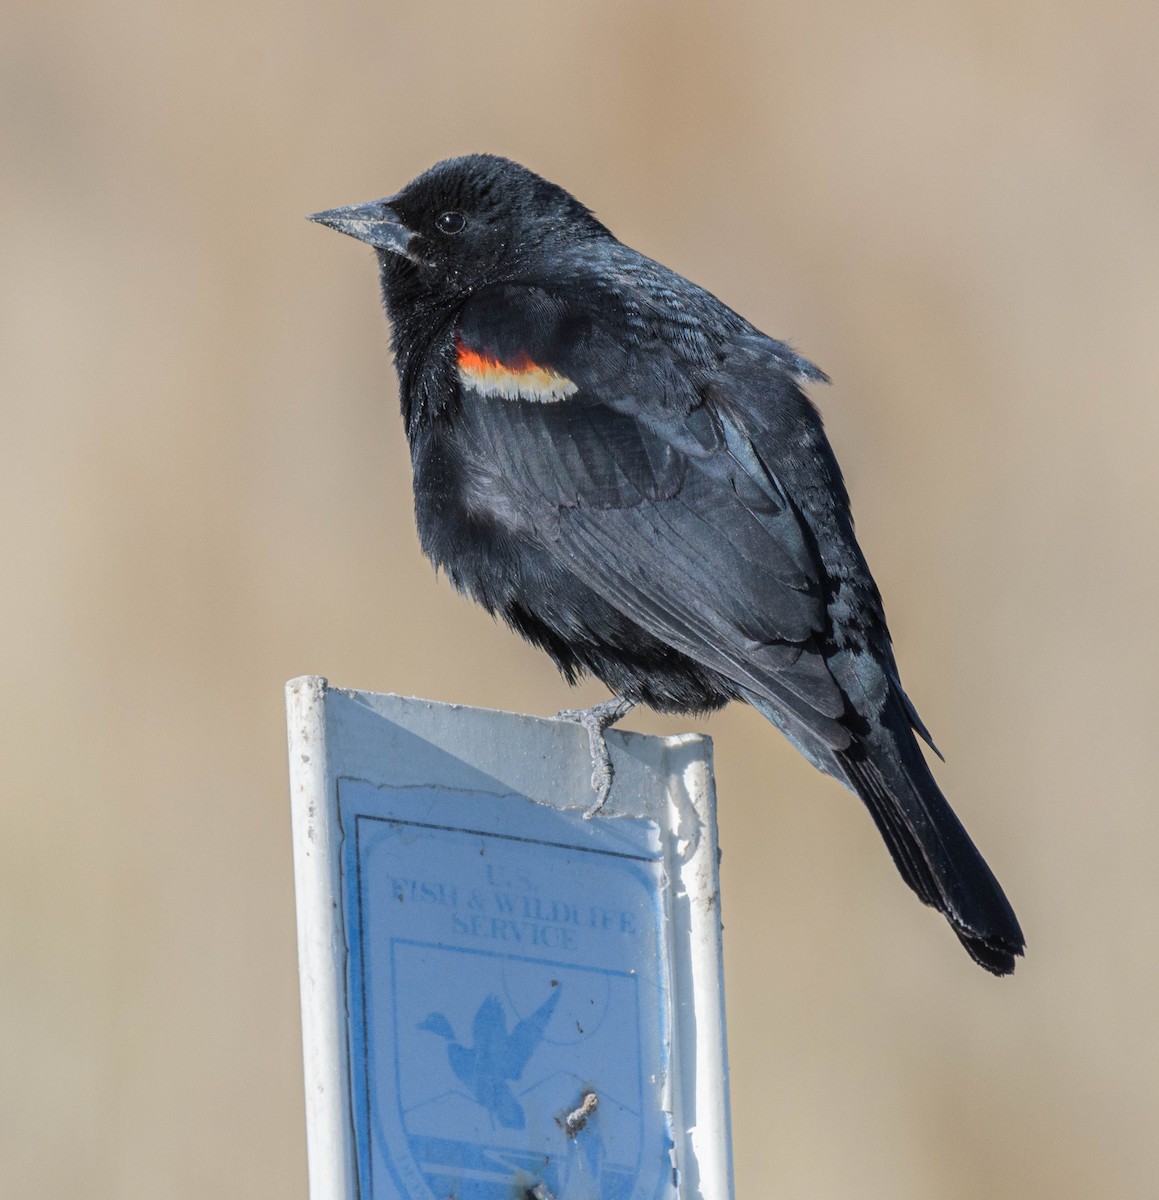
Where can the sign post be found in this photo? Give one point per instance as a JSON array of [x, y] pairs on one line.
[[501, 999]]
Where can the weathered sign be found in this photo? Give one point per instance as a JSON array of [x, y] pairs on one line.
[[501, 998]]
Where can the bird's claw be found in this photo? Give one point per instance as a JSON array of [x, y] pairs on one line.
[[603, 773], [595, 720]]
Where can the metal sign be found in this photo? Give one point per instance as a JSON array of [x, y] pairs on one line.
[[500, 998]]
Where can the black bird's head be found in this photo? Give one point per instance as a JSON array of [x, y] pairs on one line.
[[466, 223]]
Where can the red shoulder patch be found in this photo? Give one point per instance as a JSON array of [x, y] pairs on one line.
[[519, 378]]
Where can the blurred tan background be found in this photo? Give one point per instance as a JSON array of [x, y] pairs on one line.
[[954, 209]]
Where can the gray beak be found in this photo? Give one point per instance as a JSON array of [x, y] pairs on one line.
[[376, 224]]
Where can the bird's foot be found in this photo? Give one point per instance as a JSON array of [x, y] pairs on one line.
[[595, 720]]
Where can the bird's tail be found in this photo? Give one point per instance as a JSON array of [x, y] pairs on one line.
[[933, 852]]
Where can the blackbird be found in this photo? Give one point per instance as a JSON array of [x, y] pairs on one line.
[[631, 475]]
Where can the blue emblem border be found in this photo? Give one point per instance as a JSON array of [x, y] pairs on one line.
[[352, 816]]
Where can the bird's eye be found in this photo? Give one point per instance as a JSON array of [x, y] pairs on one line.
[[450, 222]]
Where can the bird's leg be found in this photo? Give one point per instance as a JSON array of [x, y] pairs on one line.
[[595, 720]]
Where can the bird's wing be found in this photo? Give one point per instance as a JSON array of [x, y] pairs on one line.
[[527, 1034], [648, 489], [785, 436], [489, 1026]]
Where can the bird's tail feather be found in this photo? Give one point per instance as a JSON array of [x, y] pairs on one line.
[[933, 852]]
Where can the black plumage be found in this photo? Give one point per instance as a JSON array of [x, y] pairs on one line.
[[632, 476]]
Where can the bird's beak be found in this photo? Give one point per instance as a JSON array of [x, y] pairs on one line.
[[375, 223]]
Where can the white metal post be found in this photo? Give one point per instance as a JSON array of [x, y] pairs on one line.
[[496, 993]]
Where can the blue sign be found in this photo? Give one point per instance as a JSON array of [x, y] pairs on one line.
[[509, 1006]]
